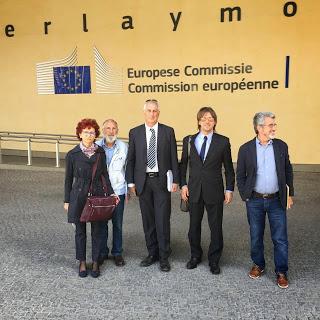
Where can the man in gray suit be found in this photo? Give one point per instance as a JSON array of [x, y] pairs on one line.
[[152, 153]]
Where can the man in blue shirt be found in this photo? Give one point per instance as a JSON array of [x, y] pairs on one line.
[[265, 182], [116, 158]]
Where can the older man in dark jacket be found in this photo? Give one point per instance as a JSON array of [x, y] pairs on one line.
[[265, 182]]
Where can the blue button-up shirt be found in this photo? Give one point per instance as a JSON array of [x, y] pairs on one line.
[[267, 179], [109, 152]]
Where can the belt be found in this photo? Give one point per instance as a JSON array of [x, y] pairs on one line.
[[265, 195], [152, 174]]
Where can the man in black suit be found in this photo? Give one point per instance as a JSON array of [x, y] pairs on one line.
[[152, 153], [204, 188], [263, 173]]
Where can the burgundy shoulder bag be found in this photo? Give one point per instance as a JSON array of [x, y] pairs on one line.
[[98, 208]]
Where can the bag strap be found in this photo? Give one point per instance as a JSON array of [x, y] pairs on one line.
[[94, 170], [104, 185], [188, 156], [103, 179]]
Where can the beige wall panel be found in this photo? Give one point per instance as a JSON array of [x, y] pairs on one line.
[[263, 38]]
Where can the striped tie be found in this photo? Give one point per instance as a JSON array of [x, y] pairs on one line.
[[151, 157]]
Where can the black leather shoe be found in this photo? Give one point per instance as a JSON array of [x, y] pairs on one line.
[[95, 272], [165, 265], [193, 263], [118, 261], [102, 259], [214, 268], [82, 273], [148, 261]]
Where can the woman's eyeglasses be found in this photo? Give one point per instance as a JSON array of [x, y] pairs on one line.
[[89, 133]]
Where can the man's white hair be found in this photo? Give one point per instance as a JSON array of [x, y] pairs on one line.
[[153, 101], [259, 118], [109, 120]]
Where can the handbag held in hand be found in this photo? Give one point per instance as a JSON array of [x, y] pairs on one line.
[[98, 208], [184, 204]]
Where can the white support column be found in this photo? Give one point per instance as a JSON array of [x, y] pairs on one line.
[[57, 155], [29, 153]]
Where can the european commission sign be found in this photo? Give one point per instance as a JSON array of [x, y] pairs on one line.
[[65, 77]]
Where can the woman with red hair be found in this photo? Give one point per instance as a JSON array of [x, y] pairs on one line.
[[79, 166]]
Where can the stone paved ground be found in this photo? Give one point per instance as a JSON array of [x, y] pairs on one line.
[[38, 275]]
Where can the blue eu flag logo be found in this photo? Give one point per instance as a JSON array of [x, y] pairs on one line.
[[72, 80]]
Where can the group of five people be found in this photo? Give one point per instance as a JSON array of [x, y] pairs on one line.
[[264, 180]]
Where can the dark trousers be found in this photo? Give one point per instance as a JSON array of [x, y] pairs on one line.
[[81, 240], [215, 214], [155, 205]]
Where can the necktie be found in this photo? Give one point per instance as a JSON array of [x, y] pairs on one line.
[[151, 156], [203, 148]]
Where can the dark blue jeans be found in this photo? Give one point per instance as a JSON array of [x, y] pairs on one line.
[[117, 219], [257, 208]]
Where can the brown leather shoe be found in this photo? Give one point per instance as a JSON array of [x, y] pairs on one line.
[[256, 272], [119, 262], [282, 281]]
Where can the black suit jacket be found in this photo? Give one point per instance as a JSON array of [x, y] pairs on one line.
[[137, 156], [207, 177], [247, 168]]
